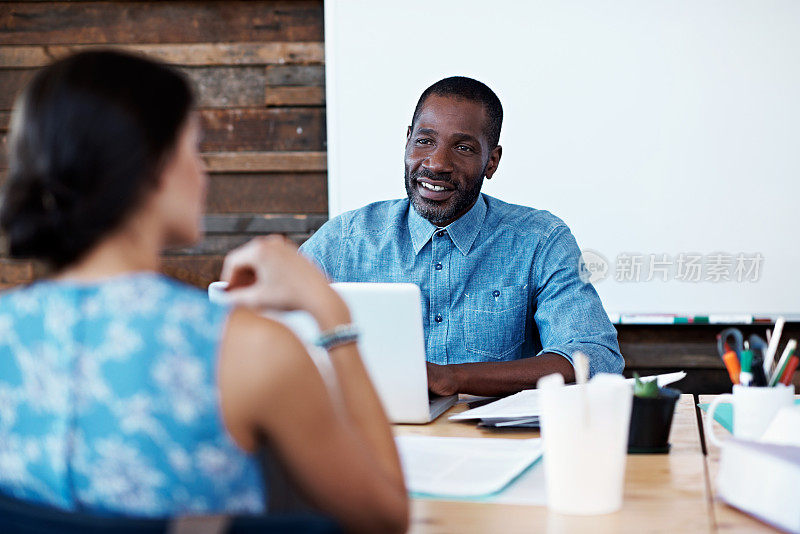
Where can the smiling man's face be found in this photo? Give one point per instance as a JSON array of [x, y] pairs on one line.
[[447, 157]]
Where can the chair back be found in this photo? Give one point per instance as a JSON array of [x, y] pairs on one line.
[[22, 517]]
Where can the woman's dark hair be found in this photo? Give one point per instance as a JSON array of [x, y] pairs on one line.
[[89, 137]]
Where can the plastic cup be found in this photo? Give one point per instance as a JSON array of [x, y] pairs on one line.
[[585, 435]]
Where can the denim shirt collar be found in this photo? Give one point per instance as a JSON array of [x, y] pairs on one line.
[[462, 231]]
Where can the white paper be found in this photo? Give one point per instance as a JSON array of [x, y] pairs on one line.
[[525, 404], [464, 467]]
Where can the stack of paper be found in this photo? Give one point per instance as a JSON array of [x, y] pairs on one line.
[[522, 409], [464, 467], [762, 479]]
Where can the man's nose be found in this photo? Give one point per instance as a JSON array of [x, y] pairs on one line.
[[439, 161]]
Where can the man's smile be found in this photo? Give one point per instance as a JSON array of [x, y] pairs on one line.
[[434, 190]]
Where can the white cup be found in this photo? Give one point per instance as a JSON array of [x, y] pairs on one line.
[[216, 292], [753, 410], [585, 437]]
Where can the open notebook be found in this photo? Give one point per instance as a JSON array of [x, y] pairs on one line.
[[464, 467]]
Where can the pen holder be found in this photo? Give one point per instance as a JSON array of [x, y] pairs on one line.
[[651, 421]]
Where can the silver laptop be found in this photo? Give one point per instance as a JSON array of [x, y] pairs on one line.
[[392, 345]]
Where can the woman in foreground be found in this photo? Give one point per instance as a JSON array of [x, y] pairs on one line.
[[123, 391]]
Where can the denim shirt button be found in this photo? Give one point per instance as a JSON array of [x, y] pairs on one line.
[[441, 233], [495, 293], [438, 318], [438, 266]]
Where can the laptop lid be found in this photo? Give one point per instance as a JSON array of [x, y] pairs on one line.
[[392, 345]]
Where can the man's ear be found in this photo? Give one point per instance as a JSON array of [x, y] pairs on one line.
[[494, 161], [408, 134]]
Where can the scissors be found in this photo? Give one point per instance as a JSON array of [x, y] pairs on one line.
[[730, 339]]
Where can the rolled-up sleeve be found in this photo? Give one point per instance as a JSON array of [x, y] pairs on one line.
[[569, 314]]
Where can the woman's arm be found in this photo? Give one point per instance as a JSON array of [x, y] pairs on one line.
[[344, 459]]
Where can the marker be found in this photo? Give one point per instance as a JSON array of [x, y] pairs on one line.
[[732, 365], [729, 356], [786, 379], [745, 376], [788, 352], [757, 368]]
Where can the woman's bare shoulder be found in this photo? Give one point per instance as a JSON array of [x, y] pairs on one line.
[[260, 362]]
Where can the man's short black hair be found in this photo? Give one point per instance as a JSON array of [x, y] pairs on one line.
[[468, 89]]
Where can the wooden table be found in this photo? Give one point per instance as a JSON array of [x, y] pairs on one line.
[[727, 518], [663, 492]]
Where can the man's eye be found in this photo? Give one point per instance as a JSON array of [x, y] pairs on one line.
[[465, 148], [424, 141]]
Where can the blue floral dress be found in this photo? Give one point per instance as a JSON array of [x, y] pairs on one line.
[[109, 400]]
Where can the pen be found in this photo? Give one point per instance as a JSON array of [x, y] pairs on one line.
[[745, 376], [772, 348], [788, 352]]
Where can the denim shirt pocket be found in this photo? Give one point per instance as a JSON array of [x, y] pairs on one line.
[[495, 320]]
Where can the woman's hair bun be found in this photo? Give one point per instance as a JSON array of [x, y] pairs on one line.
[[89, 136]]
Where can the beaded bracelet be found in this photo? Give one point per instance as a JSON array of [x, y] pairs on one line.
[[338, 335]]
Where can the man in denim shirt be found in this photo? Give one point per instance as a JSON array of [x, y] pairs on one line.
[[503, 304]]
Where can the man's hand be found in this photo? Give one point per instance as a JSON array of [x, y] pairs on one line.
[[496, 379], [441, 379]]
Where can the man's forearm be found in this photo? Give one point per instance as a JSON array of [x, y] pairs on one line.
[[494, 379]]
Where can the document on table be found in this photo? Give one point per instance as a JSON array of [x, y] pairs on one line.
[[524, 406], [464, 467]]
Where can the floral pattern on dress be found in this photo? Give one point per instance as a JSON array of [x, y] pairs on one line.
[[108, 400]]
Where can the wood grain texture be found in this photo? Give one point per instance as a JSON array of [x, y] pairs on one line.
[[266, 161], [311, 75], [215, 87], [12, 81], [265, 130], [294, 96], [13, 272], [198, 270], [257, 224], [28, 23], [222, 87], [267, 193], [190, 54], [3, 151]]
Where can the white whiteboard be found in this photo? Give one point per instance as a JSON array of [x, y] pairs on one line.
[[650, 127]]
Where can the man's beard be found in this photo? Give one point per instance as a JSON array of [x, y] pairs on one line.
[[442, 212]]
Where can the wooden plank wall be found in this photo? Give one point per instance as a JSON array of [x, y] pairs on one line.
[[258, 69]]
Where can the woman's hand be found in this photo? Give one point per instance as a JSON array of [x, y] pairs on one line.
[[268, 273]]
